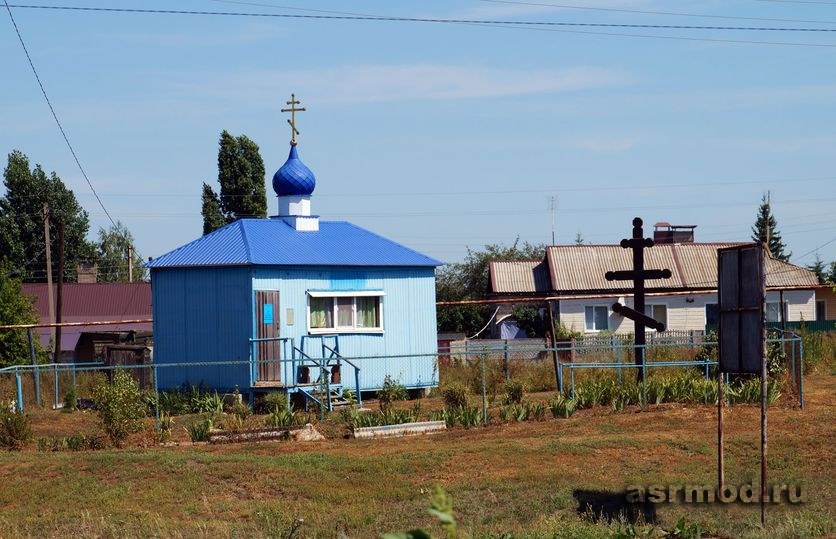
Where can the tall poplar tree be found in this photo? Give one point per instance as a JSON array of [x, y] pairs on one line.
[[22, 221], [766, 230], [242, 184]]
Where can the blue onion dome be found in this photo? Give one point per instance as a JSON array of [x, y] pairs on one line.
[[293, 178]]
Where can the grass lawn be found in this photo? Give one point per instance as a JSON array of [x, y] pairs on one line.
[[527, 479]]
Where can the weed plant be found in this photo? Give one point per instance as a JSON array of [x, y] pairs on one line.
[[15, 428], [74, 442], [561, 407], [391, 391], [514, 392], [200, 428], [120, 406]]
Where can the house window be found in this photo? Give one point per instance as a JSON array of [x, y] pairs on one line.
[[712, 314], [658, 312], [597, 317], [345, 312], [821, 310], [773, 312]]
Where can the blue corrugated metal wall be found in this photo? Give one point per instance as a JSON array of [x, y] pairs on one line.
[[202, 314], [409, 319]]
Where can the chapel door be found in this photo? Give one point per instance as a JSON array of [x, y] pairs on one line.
[[268, 353]]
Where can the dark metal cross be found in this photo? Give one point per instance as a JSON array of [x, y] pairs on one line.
[[292, 120], [638, 243]]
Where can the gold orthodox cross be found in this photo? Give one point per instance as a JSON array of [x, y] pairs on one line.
[[292, 121]]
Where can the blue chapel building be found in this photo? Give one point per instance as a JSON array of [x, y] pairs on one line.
[[288, 302]]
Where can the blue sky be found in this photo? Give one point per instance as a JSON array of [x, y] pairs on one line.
[[442, 136]]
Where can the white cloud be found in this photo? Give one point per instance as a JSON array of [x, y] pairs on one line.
[[377, 83], [600, 143]]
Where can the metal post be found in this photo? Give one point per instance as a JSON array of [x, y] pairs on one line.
[[156, 399], [572, 373], [357, 386], [764, 382], [507, 367], [721, 466], [618, 357], [559, 368], [801, 372], [36, 372], [783, 335], [75, 386], [484, 393], [19, 392], [55, 378]]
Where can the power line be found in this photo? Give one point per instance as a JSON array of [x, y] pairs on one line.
[[636, 11], [439, 20], [52, 110]]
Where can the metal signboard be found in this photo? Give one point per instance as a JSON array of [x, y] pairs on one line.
[[741, 290]]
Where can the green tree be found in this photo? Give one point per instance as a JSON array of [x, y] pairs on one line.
[[819, 269], [241, 179], [213, 217], [470, 280], [831, 275], [15, 308], [766, 230], [579, 239], [21, 221], [115, 245]]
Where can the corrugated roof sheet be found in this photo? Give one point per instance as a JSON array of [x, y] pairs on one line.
[[274, 242], [581, 269], [520, 277], [92, 302]]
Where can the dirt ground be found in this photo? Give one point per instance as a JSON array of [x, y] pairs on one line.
[[537, 479]]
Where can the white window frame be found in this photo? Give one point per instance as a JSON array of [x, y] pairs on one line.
[[650, 306], [353, 329], [593, 307], [786, 311]]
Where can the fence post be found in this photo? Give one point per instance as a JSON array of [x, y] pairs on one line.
[[783, 335], [357, 387], [19, 391], [507, 367], [572, 373], [484, 392], [36, 372], [156, 399], [55, 377], [618, 357], [800, 372]]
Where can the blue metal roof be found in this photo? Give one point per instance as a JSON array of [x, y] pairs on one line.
[[294, 177], [273, 242]]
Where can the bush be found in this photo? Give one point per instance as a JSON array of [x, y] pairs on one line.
[[120, 406], [273, 401], [70, 400], [560, 406], [391, 391], [514, 391], [164, 432], [15, 428], [455, 395], [281, 417], [199, 429]]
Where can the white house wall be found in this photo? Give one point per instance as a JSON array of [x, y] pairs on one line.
[[685, 312]]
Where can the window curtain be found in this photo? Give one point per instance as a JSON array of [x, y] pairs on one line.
[[367, 312], [322, 313]]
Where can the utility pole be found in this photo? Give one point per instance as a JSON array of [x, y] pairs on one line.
[[769, 213], [130, 263], [552, 209], [49, 279], [60, 301]]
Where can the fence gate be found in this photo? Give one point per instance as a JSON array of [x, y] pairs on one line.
[[268, 353]]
